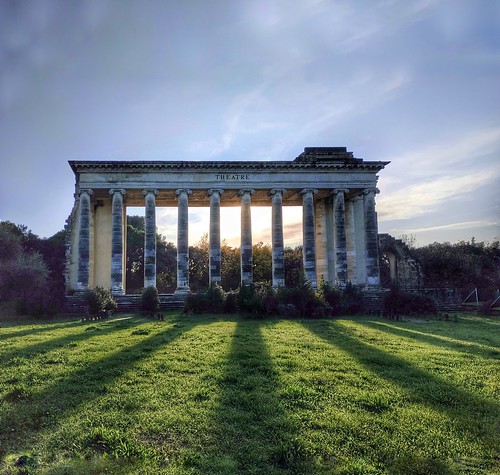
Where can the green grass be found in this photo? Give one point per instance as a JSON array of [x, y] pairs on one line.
[[210, 395]]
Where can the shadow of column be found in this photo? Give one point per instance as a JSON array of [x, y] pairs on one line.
[[24, 419], [464, 346], [472, 418], [252, 433]]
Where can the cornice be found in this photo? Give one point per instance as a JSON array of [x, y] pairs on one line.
[[134, 166]]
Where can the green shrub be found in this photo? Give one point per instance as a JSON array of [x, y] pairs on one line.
[[304, 299], [249, 301], [215, 298], [398, 302], [211, 300], [98, 300], [231, 302], [150, 300]]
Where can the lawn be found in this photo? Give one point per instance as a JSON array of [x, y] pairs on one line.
[[211, 395]]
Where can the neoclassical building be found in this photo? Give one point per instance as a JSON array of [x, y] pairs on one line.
[[335, 189]]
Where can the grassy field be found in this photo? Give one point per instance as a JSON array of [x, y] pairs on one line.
[[210, 395]]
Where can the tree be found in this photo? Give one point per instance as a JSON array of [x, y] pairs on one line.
[[466, 264], [262, 263], [198, 264], [166, 259], [230, 267], [31, 269], [294, 269]]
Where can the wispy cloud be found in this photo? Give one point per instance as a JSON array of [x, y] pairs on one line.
[[422, 198], [455, 226], [434, 159]]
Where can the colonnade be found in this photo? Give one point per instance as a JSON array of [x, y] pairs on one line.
[[340, 237]]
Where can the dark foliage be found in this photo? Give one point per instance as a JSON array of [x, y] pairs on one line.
[[398, 303], [210, 300], [31, 270], [150, 301], [98, 301], [466, 264]]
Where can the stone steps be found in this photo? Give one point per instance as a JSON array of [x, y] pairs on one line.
[[126, 303]]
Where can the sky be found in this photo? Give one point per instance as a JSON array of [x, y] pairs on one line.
[[414, 82]]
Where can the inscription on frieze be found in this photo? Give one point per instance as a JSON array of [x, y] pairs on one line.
[[232, 177]]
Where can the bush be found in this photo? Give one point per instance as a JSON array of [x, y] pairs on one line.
[[304, 299], [98, 301], [211, 300], [250, 302], [150, 300], [231, 302], [398, 302]]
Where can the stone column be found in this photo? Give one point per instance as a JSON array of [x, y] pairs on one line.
[[350, 241], [359, 239], [277, 237], [150, 238], [339, 239], [371, 236], [321, 240], [84, 241], [214, 237], [182, 240], [308, 246], [246, 253], [117, 232]]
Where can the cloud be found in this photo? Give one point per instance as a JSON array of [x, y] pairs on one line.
[[446, 156], [423, 198], [454, 226]]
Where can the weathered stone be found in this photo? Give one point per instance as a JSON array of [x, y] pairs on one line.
[[340, 242], [214, 236], [246, 252], [84, 240], [278, 265], [371, 233], [150, 238], [182, 240], [117, 238], [308, 247]]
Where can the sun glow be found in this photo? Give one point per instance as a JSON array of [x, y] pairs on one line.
[[230, 223]]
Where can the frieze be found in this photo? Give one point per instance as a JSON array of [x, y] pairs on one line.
[[232, 177]]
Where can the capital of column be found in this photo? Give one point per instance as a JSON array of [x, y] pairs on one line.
[[146, 192], [307, 191], [358, 197], [112, 191], [85, 190], [338, 190], [277, 191], [211, 191], [183, 190], [243, 191], [367, 191]]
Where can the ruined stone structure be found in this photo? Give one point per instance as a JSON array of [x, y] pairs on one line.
[[401, 268], [335, 189]]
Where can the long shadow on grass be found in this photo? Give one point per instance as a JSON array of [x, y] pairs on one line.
[[252, 433], [435, 340], [421, 386], [91, 329], [43, 326], [42, 410]]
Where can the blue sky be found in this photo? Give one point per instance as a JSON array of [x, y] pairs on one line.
[[413, 82]]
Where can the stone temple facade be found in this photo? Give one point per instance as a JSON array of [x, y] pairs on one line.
[[335, 189]]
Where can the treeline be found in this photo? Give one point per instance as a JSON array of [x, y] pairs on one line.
[[31, 270], [166, 262], [466, 264]]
